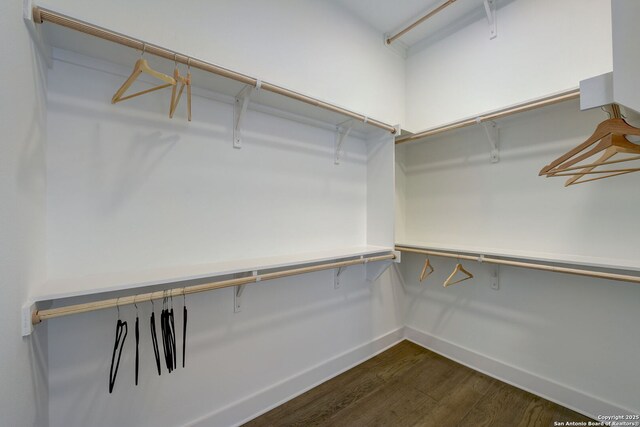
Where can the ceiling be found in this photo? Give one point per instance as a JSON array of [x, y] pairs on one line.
[[392, 16]]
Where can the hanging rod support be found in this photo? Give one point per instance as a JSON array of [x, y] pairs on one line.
[[374, 271], [239, 290], [342, 132], [240, 110], [336, 277], [491, 130], [28, 318], [490, 9], [495, 278]]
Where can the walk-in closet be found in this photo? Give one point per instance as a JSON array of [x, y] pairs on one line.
[[328, 213]]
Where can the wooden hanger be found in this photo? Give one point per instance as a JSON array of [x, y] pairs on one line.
[[613, 126], [183, 81], [459, 268], [427, 265], [141, 66], [612, 145]]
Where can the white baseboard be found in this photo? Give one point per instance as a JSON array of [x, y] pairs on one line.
[[576, 400], [271, 397]]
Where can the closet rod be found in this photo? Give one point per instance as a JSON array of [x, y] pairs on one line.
[[40, 315], [544, 267], [419, 21], [519, 108], [40, 15]]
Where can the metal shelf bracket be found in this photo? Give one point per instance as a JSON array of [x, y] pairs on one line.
[[375, 269], [336, 277], [342, 132], [495, 278], [493, 135], [240, 110], [238, 291], [490, 9]]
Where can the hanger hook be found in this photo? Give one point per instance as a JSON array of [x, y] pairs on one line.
[[144, 48], [605, 110], [134, 303], [175, 59], [184, 297], [118, 306], [189, 64]]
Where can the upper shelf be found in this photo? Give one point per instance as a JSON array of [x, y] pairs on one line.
[[576, 260], [71, 34], [490, 116], [95, 284]]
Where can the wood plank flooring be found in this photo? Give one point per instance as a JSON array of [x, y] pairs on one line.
[[408, 385]]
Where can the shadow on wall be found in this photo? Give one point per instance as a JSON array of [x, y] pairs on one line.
[[521, 137], [39, 361], [31, 173], [471, 17], [463, 297]]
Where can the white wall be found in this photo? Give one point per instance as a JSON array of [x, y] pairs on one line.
[[23, 361], [168, 192], [543, 47], [130, 189], [566, 329], [313, 47]]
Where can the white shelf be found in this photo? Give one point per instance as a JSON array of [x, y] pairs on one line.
[[60, 37], [576, 260], [95, 284]]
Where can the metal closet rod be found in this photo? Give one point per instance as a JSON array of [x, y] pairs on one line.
[[40, 315], [419, 21], [544, 267], [41, 15], [519, 108]]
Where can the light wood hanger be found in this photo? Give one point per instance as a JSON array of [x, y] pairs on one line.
[[183, 81], [459, 268], [612, 126], [612, 144], [141, 66], [427, 266]]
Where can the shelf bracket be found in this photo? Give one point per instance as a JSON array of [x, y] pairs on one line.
[[375, 269], [336, 277], [240, 110], [238, 291], [28, 309], [490, 9], [495, 278], [491, 129], [342, 132]]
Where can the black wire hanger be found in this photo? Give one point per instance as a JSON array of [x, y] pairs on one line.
[[121, 336], [184, 326], [137, 338], [154, 337]]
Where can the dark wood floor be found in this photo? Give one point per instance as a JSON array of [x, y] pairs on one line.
[[408, 385]]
